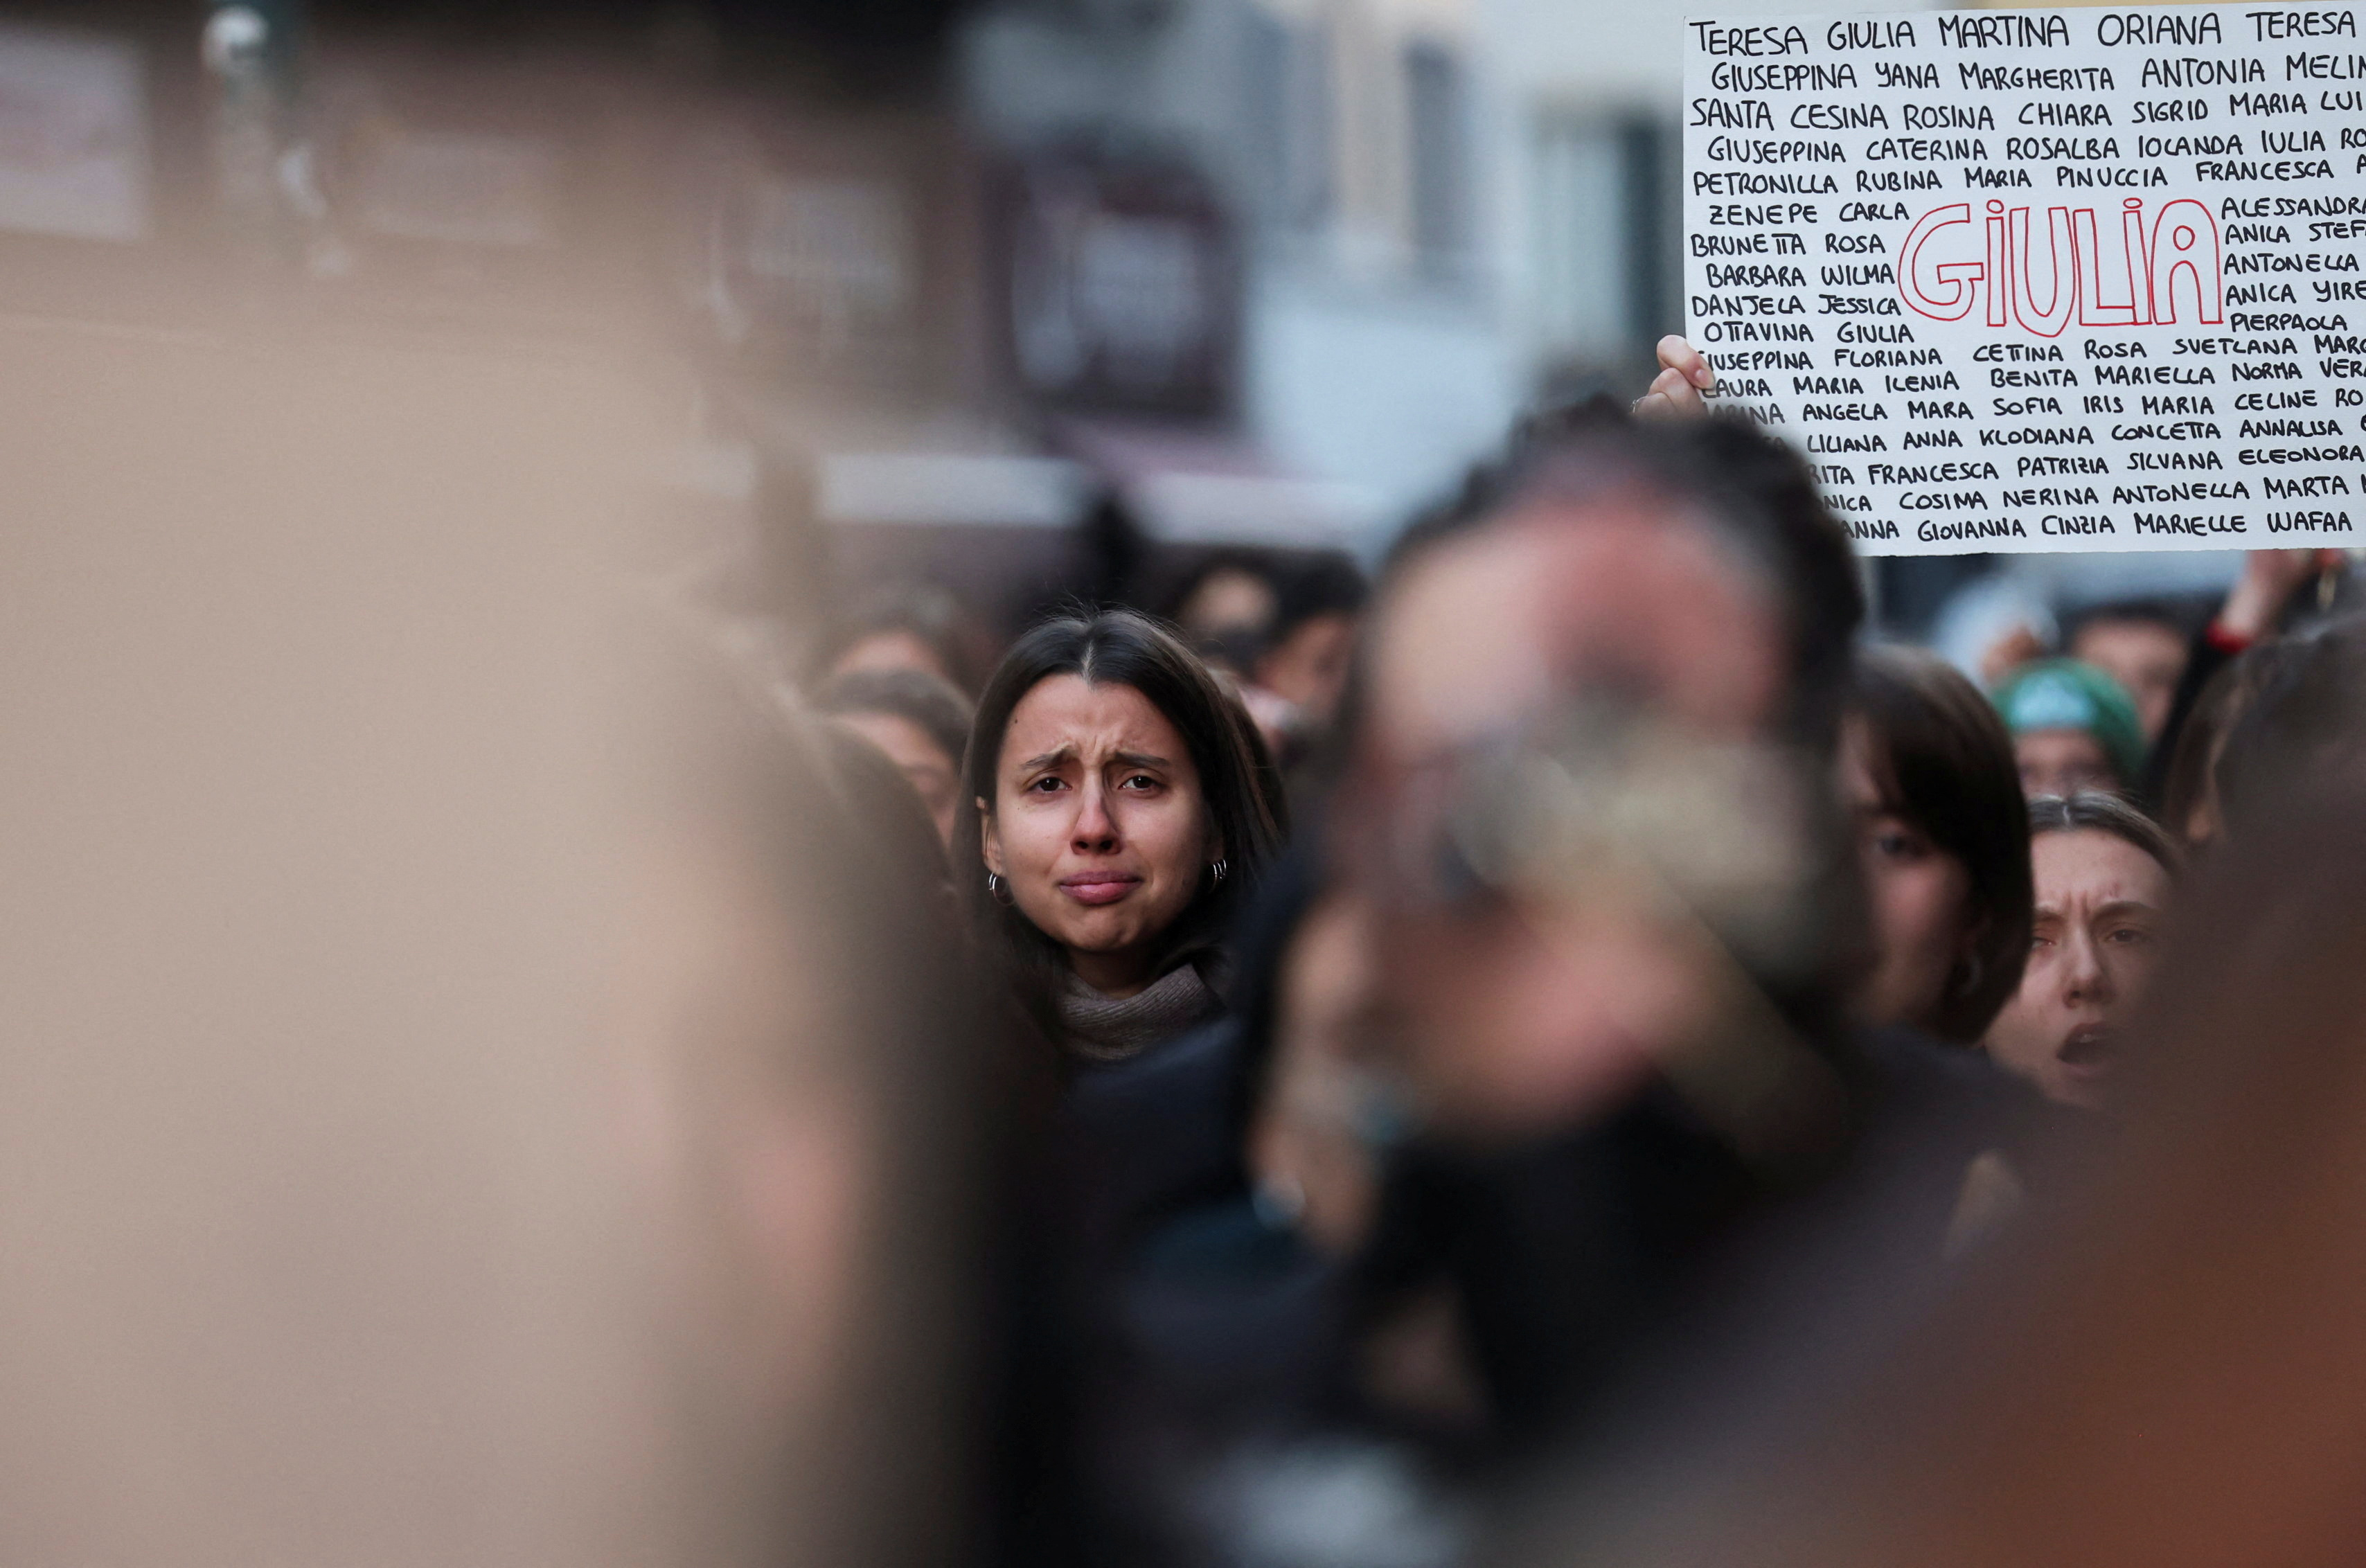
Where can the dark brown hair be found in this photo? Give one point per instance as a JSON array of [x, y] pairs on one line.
[[2302, 734], [2093, 811], [1124, 647], [2192, 779], [1941, 760]]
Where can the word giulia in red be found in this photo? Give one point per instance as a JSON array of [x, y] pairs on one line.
[[1952, 263]]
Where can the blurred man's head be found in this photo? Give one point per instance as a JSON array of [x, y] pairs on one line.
[[1583, 785]]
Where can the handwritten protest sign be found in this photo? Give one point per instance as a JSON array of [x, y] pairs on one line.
[[2042, 280]]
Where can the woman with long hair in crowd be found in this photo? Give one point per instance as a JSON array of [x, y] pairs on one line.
[[2104, 875], [1119, 802], [1929, 781]]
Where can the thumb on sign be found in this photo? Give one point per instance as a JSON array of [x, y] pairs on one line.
[[1676, 391]]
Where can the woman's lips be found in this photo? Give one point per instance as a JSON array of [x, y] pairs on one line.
[[2089, 1051], [1099, 886]]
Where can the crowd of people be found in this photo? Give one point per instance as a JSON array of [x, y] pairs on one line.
[[1570, 1046]]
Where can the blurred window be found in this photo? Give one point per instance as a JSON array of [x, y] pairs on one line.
[[1287, 75], [1436, 105], [1607, 264]]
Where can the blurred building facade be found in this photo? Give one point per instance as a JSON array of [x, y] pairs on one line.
[[955, 280], [1336, 145]]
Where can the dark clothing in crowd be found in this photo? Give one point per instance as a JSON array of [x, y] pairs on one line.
[[1158, 1306], [1198, 1340]]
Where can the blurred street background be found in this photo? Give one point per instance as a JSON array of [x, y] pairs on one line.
[[1030, 298]]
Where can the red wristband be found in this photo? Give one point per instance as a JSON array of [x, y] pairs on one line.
[[2225, 641]]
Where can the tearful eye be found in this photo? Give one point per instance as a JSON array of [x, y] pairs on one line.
[[1046, 786]]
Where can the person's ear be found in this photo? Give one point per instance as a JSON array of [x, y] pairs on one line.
[[990, 837]]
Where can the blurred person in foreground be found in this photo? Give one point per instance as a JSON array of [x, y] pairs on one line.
[[479, 1089], [1118, 804], [2105, 874], [2073, 728], [2163, 1370], [805, 1083], [1928, 776], [1614, 926], [1545, 1041], [919, 721]]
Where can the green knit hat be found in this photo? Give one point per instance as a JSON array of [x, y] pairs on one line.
[[2063, 694]]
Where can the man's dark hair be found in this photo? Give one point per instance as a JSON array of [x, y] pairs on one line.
[[926, 701], [1750, 487], [1327, 584]]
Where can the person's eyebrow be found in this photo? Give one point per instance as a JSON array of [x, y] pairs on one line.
[[1140, 760], [2124, 906], [1047, 760]]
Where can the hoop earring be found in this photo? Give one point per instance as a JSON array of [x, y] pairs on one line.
[[996, 891], [1220, 870]]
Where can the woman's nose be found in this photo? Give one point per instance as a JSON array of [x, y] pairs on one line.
[[2086, 979], [1095, 827]]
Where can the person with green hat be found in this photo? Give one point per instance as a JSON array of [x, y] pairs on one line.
[[2073, 728]]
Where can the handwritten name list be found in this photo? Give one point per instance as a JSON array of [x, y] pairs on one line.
[[2042, 280]]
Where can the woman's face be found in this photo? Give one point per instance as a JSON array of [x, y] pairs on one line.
[[1099, 826], [1920, 897], [2100, 904]]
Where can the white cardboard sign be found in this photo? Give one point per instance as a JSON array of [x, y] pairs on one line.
[[2042, 280]]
